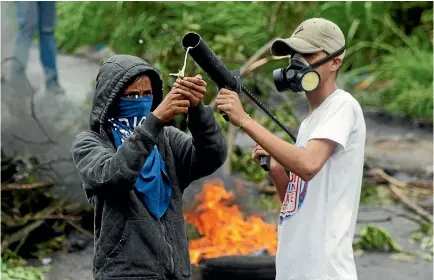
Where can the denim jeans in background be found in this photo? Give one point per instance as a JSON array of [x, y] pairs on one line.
[[40, 15]]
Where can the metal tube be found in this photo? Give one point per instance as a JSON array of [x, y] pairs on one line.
[[208, 61], [220, 74]]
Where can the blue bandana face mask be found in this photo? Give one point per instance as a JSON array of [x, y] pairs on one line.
[[153, 183], [131, 112]]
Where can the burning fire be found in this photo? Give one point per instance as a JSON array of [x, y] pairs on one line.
[[223, 228]]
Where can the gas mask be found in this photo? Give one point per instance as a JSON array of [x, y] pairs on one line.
[[300, 76]]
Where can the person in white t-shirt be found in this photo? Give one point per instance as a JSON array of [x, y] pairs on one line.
[[319, 178]]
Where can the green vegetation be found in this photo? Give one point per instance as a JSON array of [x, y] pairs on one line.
[[14, 267], [388, 43], [34, 222], [268, 203], [242, 162], [375, 238], [192, 232], [388, 62], [424, 238], [375, 195], [402, 81]]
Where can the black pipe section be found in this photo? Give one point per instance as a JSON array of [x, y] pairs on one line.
[[220, 74], [208, 61]]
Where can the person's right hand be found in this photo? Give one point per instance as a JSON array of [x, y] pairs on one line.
[[173, 104], [258, 152]]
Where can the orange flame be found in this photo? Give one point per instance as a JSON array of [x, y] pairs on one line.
[[223, 228]]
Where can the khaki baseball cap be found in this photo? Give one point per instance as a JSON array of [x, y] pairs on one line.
[[311, 36]]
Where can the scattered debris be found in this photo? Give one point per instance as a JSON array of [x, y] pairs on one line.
[[398, 187], [46, 261], [424, 236], [402, 184], [427, 203], [12, 187], [35, 223], [375, 238], [412, 206], [404, 256]]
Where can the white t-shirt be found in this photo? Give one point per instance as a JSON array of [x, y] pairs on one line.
[[317, 218]]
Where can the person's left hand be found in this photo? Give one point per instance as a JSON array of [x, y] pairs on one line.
[[194, 87], [229, 102]]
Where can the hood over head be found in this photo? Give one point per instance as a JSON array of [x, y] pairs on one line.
[[113, 77]]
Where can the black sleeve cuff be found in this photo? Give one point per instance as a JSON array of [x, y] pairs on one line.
[[199, 112], [153, 125]]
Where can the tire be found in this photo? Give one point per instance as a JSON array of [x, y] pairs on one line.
[[239, 267]]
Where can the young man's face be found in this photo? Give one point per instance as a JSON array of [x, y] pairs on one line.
[[327, 70], [141, 87]]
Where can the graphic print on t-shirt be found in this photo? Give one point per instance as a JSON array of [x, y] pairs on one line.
[[294, 197]]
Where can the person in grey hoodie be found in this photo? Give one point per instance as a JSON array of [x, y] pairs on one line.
[[135, 168]]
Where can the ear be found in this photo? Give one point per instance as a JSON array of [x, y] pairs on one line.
[[336, 64]]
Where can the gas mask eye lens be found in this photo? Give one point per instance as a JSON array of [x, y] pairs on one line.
[[310, 81]]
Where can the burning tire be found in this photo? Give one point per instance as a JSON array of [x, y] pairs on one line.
[[239, 267]]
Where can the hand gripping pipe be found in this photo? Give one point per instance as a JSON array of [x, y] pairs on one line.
[[220, 74]]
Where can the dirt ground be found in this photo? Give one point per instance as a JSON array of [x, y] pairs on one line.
[[370, 266]]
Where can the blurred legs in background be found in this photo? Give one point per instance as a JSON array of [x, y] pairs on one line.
[[41, 15]]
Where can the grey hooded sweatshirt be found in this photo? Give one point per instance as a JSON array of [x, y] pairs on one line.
[[129, 242]]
